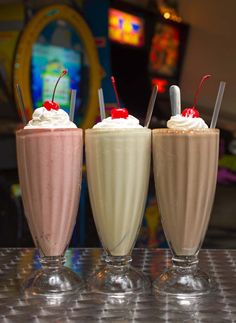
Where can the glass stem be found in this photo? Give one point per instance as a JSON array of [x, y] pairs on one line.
[[52, 262], [119, 263], [185, 263]]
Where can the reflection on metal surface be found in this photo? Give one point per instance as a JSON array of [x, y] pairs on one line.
[[219, 306]]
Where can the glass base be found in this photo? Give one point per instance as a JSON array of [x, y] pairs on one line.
[[52, 280], [183, 280], [118, 279]]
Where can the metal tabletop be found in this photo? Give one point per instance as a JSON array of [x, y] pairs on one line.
[[220, 306]]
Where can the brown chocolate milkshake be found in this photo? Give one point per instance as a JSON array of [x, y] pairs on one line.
[[185, 170]]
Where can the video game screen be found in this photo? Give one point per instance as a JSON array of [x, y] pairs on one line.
[[164, 52], [46, 65], [126, 29]]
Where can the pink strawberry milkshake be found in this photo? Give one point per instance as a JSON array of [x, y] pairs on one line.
[[49, 153]]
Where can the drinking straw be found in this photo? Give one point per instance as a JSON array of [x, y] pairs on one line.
[[21, 104], [72, 104], [101, 104], [175, 100], [151, 106], [217, 104]]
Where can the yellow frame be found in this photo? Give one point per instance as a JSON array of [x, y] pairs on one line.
[[29, 36]]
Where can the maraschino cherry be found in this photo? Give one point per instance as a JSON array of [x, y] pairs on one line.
[[118, 113], [192, 111], [51, 104]]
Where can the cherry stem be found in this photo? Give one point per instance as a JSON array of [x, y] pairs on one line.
[[204, 78], [64, 72], [115, 90]]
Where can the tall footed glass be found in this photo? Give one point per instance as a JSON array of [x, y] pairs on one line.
[[185, 172], [118, 166], [49, 167]]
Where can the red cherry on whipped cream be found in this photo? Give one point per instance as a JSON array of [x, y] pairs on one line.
[[50, 104], [192, 112], [119, 113]]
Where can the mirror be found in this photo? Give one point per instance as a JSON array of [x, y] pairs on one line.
[[58, 38]]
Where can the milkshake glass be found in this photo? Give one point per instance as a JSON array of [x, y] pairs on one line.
[[118, 166], [185, 172], [50, 166]]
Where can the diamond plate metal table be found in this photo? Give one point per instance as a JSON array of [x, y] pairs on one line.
[[220, 306]]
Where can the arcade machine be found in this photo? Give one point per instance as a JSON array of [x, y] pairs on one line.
[[56, 38], [166, 54], [146, 50]]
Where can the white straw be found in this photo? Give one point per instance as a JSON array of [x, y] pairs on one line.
[[175, 100], [101, 104], [151, 106], [72, 104], [217, 104], [21, 104]]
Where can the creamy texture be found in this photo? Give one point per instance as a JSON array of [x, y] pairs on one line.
[[42, 118], [49, 166], [118, 166], [185, 172], [129, 122], [186, 123]]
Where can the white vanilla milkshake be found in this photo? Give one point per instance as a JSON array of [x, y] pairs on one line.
[[118, 165]]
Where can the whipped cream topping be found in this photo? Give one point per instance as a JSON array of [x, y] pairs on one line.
[[186, 123], [43, 118], [129, 122]]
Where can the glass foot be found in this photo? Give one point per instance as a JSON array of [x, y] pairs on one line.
[[52, 280], [119, 279], [183, 280]]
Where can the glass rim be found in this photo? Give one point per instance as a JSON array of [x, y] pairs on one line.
[[46, 130], [185, 132], [116, 130]]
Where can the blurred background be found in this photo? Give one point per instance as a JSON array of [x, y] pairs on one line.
[[142, 43]]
